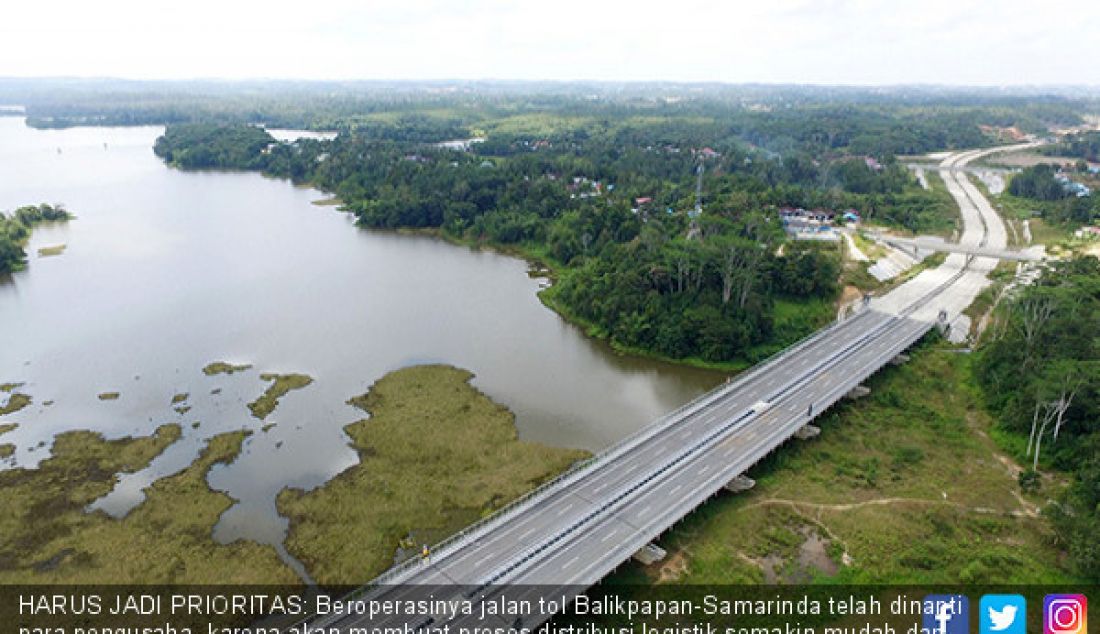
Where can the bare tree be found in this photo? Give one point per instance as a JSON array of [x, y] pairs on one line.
[[1035, 311], [1052, 412]]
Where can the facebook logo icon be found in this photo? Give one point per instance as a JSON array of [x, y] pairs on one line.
[[946, 614]]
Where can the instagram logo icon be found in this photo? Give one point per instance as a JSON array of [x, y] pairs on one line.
[[1065, 614]]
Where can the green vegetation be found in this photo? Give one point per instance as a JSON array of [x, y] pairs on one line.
[[644, 274], [15, 400], [1040, 369], [434, 455], [1083, 145], [108, 396], [1035, 192], [47, 537], [51, 251], [6, 449], [281, 384], [604, 191], [221, 367], [1037, 182], [213, 146], [16, 228], [897, 489], [179, 398]]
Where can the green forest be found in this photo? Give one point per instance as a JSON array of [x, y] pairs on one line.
[[15, 228], [1040, 372], [608, 203], [1050, 198]]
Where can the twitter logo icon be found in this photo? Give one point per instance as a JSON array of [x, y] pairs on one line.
[[1003, 614]]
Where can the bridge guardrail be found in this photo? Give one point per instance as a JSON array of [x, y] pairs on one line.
[[390, 575]]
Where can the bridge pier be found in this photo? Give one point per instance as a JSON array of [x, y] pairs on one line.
[[900, 359], [858, 391], [740, 484], [807, 432], [650, 554]]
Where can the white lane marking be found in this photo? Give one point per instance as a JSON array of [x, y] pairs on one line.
[[570, 562], [564, 510], [645, 510], [678, 487], [705, 468], [521, 537], [609, 535]]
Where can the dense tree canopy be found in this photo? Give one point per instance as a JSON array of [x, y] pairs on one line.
[[606, 189], [1037, 182], [16, 228], [1040, 372], [199, 145]]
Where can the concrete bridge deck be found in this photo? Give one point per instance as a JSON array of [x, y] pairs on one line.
[[576, 529]]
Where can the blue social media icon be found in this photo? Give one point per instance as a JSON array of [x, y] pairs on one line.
[[946, 614], [1003, 614]]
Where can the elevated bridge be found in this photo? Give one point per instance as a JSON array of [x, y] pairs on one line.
[[574, 530]]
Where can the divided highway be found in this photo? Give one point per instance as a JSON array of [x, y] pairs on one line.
[[574, 530]]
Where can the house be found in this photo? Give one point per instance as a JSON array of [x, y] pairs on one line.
[[872, 163], [1087, 232], [851, 216], [643, 200]]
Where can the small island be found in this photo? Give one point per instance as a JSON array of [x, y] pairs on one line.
[[12, 401], [15, 229], [221, 367], [281, 384]]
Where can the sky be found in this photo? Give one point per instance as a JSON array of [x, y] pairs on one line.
[[854, 42]]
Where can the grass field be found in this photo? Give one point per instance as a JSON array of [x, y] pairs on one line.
[[435, 455], [902, 486]]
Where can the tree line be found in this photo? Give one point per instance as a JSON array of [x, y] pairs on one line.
[[607, 196]]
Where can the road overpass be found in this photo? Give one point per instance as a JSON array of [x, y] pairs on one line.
[[915, 245], [572, 531]]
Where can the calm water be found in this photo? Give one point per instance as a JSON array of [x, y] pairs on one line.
[[166, 271]]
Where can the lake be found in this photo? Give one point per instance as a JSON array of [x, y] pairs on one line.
[[165, 271]]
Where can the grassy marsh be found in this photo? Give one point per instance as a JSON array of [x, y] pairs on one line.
[[280, 385], [221, 367], [434, 454], [49, 538], [15, 401], [50, 251]]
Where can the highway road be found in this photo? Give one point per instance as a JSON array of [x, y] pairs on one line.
[[573, 531]]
